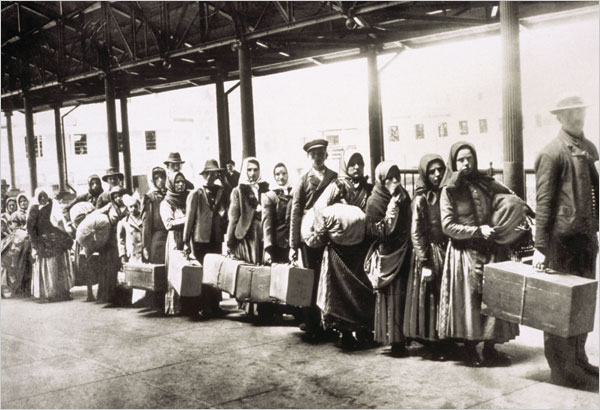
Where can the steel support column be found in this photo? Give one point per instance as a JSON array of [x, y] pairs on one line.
[[512, 114], [126, 145], [375, 115], [60, 149], [31, 148], [11, 149], [222, 121], [111, 119], [247, 105]]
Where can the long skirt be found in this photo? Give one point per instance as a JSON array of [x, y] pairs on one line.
[[460, 300], [157, 247], [174, 262], [250, 249], [52, 277], [422, 297], [345, 295], [108, 271], [389, 308], [17, 264]]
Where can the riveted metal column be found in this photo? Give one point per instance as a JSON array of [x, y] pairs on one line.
[[126, 145], [11, 149], [247, 104], [111, 120], [60, 149], [512, 113], [222, 120], [30, 144], [375, 115]]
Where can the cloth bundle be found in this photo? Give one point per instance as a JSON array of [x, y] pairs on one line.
[[93, 232], [509, 218], [342, 224], [79, 211]]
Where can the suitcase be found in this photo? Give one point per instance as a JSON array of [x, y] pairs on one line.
[[253, 283], [557, 303], [292, 285], [146, 276], [191, 280], [221, 272]]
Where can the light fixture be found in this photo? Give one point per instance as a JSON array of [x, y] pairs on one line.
[[261, 44], [284, 54], [494, 11]]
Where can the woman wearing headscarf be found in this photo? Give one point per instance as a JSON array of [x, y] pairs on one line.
[[16, 255], [388, 262], [52, 270], [244, 232], [345, 295], [466, 208], [154, 233], [91, 196], [429, 250], [109, 253], [18, 219], [277, 206], [173, 215]]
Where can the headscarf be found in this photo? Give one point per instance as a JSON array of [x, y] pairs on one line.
[[100, 189], [345, 160], [158, 170], [55, 215], [176, 199], [9, 200], [453, 178], [244, 174], [380, 198], [22, 195], [285, 188], [423, 186]]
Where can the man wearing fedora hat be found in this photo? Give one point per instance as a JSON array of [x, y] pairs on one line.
[[113, 178], [307, 191], [567, 226], [205, 225], [174, 163]]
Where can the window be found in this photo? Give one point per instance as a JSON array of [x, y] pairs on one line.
[[80, 144], [38, 146], [150, 140], [393, 133], [333, 139], [420, 131], [120, 141], [463, 127], [443, 129], [483, 128]]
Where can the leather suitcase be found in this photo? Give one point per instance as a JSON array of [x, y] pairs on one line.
[[557, 303], [253, 283], [191, 280], [292, 285], [221, 272], [146, 276]]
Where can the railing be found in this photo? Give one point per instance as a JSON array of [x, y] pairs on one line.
[[409, 177]]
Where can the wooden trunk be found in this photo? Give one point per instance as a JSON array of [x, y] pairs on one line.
[[221, 272], [557, 303], [292, 285], [146, 276], [191, 280], [253, 283]]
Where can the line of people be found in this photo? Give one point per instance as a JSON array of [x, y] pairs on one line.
[[414, 273]]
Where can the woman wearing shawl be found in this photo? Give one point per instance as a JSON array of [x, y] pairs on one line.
[[18, 219], [52, 269], [244, 231], [91, 196], [109, 254], [154, 233], [16, 255], [172, 212], [345, 295], [388, 261], [466, 208], [429, 250], [277, 206]]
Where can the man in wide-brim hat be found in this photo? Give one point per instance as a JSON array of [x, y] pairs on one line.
[[114, 178], [173, 162], [566, 228]]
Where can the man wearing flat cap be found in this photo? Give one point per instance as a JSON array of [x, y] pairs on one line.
[[566, 228], [307, 191]]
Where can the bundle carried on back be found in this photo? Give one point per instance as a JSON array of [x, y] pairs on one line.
[[93, 232], [342, 224]]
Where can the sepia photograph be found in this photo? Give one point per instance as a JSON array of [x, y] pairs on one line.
[[299, 204]]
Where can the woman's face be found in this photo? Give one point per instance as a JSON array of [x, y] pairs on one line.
[[95, 185], [435, 171], [356, 167], [392, 182], [159, 180], [11, 207], [118, 199], [43, 198], [281, 176], [252, 171], [179, 183], [465, 161], [23, 203]]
